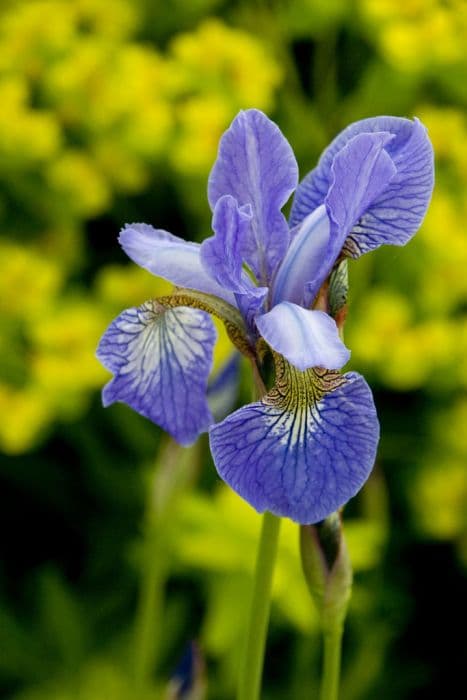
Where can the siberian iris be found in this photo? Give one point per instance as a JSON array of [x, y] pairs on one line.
[[309, 443]]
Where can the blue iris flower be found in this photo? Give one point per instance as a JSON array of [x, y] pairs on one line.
[[307, 446]]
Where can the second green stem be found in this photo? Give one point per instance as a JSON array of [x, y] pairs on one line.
[[253, 655], [331, 663]]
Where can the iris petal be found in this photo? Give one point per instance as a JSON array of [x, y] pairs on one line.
[[169, 256], [396, 214], [305, 338], [161, 360], [305, 449], [360, 171], [223, 388], [222, 254], [256, 165], [304, 259]]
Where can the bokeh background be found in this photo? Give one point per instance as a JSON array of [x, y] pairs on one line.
[[118, 548]]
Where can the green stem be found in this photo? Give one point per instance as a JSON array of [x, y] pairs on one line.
[[149, 612], [331, 663], [173, 471], [251, 670]]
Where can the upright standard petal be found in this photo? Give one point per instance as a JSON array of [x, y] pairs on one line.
[[161, 360], [304, 259], [256, 165], [305, 449], [305, 338], [396, 214], [170, 257], [360, 171], [222, 255]]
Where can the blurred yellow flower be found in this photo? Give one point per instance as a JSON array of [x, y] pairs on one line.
[[64, 343], [439, 495], [220, 70], [28, 281], [80, 185], [27, 137], [419, 34], [26, 413], [202, 120]]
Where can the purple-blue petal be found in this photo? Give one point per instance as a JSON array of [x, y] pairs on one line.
[[170, 257], [305, 258], [223, 388], [297, 455], [161, 359], [360, 171], [256, 166], [396, 214], [222, 255], [305, 338]]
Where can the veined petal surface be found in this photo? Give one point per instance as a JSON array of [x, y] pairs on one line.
[[161, 359], [305, 449], [360, 171], [305, 338], [256, 165], [170, 257], [304, 259], [396, 214], [222, 255]]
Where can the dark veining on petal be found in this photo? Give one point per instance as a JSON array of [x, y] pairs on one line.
[[229, 315], [295, 390], [305, 448]]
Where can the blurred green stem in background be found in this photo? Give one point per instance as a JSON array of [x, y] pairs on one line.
[[174, 469], [253, 652], [328, 573]]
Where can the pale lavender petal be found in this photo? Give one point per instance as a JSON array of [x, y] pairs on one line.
[[305, 338], [170, 257], [161, 360], [223, 253], [396, 214], [300, 453], [304, 259], [256, 166], [360, 171]]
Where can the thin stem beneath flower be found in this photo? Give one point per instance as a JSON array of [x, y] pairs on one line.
[[148, 621], [174, 470], [253, 653], [331, 663]]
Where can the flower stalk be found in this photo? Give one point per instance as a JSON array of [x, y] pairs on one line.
[[253, 652], [328, 573], [173, 472], [331, 663]]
